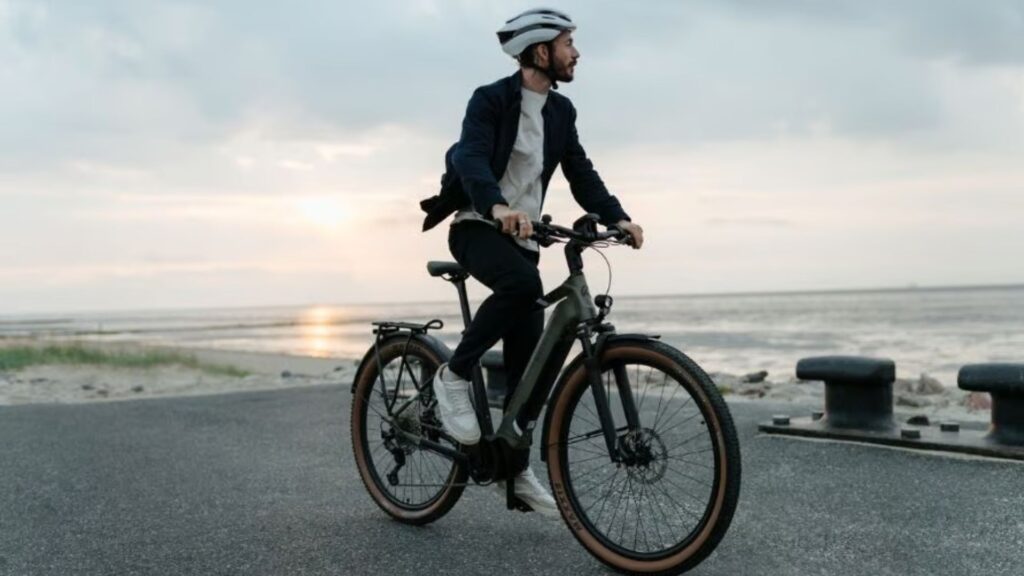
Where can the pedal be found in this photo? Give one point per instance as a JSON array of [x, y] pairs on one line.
[[511, 501], [521, 506], [510, 495]]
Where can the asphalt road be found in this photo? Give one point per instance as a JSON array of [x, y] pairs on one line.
[[263, 483]]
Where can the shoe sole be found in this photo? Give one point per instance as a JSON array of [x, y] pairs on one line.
[[547, 511]]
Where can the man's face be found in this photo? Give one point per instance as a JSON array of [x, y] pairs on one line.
[[565, 57]]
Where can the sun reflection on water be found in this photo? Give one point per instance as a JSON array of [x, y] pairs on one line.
[[315, 330]]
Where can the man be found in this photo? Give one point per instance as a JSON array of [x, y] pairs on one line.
[[515, 132]]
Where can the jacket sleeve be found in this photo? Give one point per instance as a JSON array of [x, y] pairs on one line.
[[472, 158], [587, 187]]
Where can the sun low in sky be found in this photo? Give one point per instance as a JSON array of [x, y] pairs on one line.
[[189, 154], [322, 212]]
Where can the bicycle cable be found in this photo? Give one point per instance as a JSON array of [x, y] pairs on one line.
[[608, 288]]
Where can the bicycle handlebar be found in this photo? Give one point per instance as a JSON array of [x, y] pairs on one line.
[[544, 231]]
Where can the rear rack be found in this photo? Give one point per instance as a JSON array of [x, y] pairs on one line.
[[387, 327], [383, 330]]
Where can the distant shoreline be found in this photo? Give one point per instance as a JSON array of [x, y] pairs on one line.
[[839, 291], [55, 316], [75, 383], [69, 383]]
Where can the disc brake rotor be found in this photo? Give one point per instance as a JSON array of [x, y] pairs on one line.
[[649, 455]]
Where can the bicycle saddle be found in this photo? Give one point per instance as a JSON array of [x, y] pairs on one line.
[[435, 268]]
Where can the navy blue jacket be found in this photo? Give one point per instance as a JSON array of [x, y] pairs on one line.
[[478, 160]]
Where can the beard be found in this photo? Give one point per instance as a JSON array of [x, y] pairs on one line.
[[565, 72]]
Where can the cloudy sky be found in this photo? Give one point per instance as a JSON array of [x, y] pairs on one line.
[[184, 154]]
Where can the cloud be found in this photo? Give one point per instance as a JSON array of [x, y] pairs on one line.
[[742, 128], [123, 83], [988, 33]]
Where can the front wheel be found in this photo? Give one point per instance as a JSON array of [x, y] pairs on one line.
[[669, 501]]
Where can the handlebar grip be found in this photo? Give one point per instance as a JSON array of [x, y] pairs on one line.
[[541, 239], [544, 231]]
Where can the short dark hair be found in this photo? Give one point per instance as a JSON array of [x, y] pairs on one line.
[[528, 57]]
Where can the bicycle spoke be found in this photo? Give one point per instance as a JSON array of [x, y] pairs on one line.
[[374, 451], [590, 422], [582, 437], [639, 520], [684, 442], [640, 501], [688, 419], [647, 386], [683, 405], [681, 490], [611, 480], [618, 504], [651, 504], [678, 410], [593, 413], [690, 478], [425, 474], [592, 434], [689, 462], [622, 529], [376, 411], [657, 529], [657, 416], [597, 456], [674, 501], [708, 449], [578, 477]]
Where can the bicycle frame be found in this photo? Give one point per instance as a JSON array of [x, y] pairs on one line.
[[570, 319], [411, 427], [574, 316]]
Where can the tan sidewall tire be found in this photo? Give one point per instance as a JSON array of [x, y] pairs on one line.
[[670, 564], [450, 494]]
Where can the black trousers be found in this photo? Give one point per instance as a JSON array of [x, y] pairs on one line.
[[511, 313]]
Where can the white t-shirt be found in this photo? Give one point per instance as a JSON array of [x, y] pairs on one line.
[[521, 184]]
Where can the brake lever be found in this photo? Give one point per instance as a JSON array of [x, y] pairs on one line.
[[544, 240]]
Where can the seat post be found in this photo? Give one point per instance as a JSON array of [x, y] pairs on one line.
[[483, 414], [460, 285]]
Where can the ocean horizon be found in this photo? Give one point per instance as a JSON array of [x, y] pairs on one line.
[[26, 316], [932, 330]]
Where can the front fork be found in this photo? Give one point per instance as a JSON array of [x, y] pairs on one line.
[[592, 363]]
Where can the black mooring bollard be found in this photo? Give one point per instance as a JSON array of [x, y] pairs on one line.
[[858, 407], [858, 391], [494, 363], [1005, 383]]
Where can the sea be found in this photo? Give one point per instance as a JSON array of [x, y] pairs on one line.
[[925, 330]]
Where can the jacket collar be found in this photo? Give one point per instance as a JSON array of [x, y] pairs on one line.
[[515, 85]]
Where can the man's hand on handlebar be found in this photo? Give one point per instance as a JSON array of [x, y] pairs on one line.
[[634, 230], [517, 223], [514, 222]]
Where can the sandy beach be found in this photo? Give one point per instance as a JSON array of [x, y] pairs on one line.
[[69, 383]]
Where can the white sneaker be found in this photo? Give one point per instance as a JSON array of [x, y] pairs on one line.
[[454, 408], [529, 489]]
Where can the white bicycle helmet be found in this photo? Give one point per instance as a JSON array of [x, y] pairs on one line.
[[531, 27]]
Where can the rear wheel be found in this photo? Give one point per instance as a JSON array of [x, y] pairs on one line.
[[413, 485], [667, 505]]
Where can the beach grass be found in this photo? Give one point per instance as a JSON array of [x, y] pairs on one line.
[[21, 356]]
